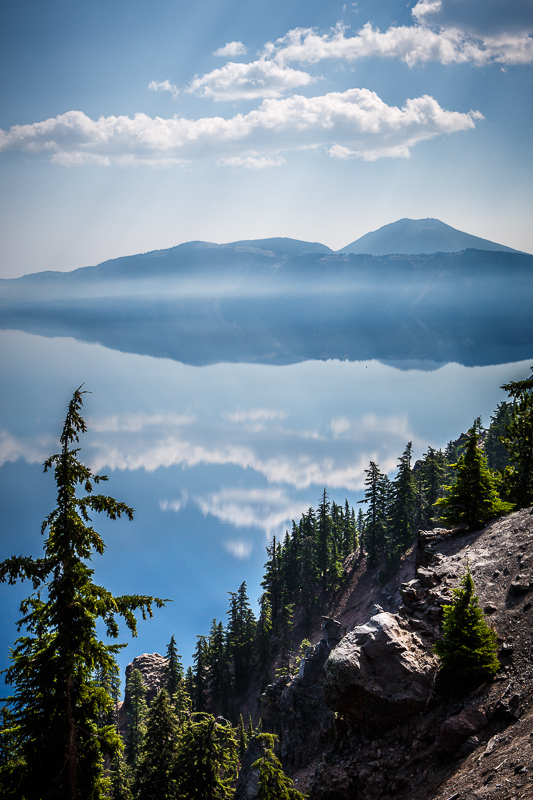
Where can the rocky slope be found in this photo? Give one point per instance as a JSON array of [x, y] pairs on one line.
[[368, 717]]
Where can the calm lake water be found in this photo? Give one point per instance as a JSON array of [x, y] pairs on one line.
[[214, 459]]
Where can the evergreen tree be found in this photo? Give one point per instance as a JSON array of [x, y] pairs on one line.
[[376, 497], [273, 783], [138, 709], [241, 636], [323, 539], [272, 581], [473, 498], [58, 703], [518, 441], [200, 657], [497, 455], [120, 778], [432, 471], [264, 636], [242, 738], [218, 666], [403, 504], [174, 668], [206, 765], [468, 646], [155, 776]]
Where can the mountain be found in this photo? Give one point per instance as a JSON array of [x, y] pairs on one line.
[[416, 236], [284, 301]]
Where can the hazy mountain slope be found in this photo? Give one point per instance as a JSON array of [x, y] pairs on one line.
[[415, 236], [201, 303]]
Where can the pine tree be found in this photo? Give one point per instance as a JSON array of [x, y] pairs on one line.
[[199, 695], [155, 776], [57, 702], [497, 455], [323, 539], [138, 709], [206, 765], [468, 646], [403, 504], [473, 498], [273, 783], [376, 497], [174, 668], [518, 441]]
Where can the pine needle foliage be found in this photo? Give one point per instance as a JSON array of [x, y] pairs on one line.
[[468, 646], [473, 498], [155, 779], [58, 704], [206, 765], [273, 783]]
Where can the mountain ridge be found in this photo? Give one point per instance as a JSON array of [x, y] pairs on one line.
[[419, 236]]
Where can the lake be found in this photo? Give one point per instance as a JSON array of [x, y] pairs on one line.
[[215, 459]]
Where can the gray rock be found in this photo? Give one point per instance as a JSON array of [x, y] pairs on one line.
[[379, 673], [457, 729]]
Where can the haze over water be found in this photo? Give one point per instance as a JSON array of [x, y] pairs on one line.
[[215, 459]]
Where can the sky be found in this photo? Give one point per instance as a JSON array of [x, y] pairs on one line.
[[132, 126]]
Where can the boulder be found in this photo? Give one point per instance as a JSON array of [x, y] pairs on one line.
[[152, 668], [379, 673], [456, 730]]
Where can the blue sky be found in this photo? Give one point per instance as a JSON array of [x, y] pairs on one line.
[[133, 126]]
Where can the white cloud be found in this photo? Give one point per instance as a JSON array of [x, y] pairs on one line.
[[133, 423], [257, 79], [174, 505], [164, 86], [231, 49], [412, 44], [356, 119], [32, 451], [270, 510], [480, 18], [256, 415], [239, 548], [252, 161]]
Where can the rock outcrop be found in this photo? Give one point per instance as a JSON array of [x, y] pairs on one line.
[[380, 673]]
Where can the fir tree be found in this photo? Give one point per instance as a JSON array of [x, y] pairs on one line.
[[206, 765], [58, 703], [174, 668], [155, 776], [473, 498], [468, 646], [404, 504], [273, 783], [199, 695], [497, 455], [138, 709], [376, 497], [518, 441]]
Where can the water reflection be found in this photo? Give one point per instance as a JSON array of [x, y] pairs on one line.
[[215, 459]]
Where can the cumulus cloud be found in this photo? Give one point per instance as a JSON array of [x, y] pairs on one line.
[[239, 548], [133, 423], [252, 161], [255, 415], [357, 119], [270, 510], [477, 17], [164, 86], [231, 49], [409, 43], [174, 505], [257, 79], [32, 451]]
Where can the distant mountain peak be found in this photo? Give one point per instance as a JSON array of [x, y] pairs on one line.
[[419, 236]]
